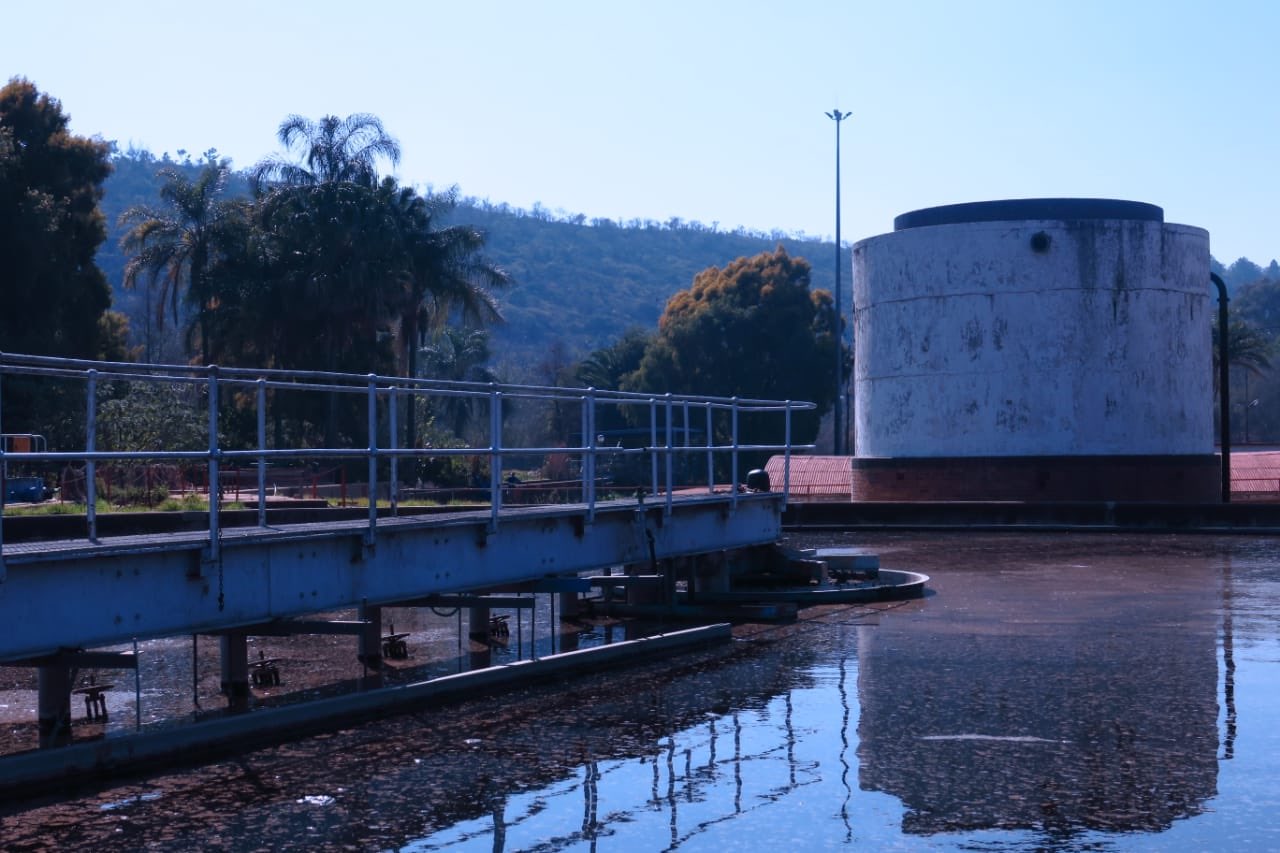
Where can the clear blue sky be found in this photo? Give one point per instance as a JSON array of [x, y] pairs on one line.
[[712, 110]]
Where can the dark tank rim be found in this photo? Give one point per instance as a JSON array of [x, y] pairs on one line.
[[1019, 209]]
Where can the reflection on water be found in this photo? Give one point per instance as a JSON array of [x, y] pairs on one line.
[[1047, 696], [1067, 692]]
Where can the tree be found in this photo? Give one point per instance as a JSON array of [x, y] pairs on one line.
[[183, 240], [53, 298], [50, 226], [458, 355], [752, 329], [333, 151], [1248, 347], [447, 275]]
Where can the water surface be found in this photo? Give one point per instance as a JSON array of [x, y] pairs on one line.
[[1053, 692]]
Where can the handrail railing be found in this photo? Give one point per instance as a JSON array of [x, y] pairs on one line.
[[384, 395]]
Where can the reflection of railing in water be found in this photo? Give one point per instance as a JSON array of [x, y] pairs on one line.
[[385, 397], [686, 767]]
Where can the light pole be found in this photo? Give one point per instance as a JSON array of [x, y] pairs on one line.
[[837, 431]]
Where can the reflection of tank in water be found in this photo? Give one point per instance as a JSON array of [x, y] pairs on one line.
[[1089, 707]]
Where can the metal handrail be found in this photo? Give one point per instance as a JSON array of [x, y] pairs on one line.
[[389, 392]]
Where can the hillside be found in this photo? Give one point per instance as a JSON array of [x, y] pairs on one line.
[[579, 282], [585, 283]]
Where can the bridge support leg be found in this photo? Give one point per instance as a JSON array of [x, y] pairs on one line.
[[235, 670], [568, 610], [712, 572], [478, 624], [54, 705], [642, 593], [370, 651]]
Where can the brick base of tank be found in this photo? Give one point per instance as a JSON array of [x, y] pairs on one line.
[[1163, 479]]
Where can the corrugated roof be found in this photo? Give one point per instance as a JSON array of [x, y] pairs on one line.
[[1256, 473], [815, 476]]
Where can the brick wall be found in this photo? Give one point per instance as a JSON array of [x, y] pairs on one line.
[[1039, 478]]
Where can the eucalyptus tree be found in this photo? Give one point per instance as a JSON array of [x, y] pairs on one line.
[[751, 329], [54, 300], [179, 242]]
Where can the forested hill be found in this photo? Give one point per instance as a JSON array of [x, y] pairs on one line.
[[583, 283], [578, 282]]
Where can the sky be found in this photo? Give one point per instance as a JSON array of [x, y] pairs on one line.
[[711, 110]]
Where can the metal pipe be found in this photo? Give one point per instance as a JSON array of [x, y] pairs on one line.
[[1224, 389]]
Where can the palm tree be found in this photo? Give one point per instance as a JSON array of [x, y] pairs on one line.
[[178, 243], [1248, 347], [333, 151], [458, 355], [449, 277]]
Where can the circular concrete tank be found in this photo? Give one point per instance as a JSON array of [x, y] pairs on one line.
[[1052, 349]]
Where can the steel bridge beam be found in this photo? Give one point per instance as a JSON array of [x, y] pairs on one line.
[[94, 594]]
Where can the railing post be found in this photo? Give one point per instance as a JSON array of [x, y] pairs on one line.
[[711, 455], [262, 452], [3, 472], [373, 458], [589, 459], [495, 456], [653, 443], [670, 455], [215, 483], [734, 427], [90, 466], [393, 487], [786, 464]]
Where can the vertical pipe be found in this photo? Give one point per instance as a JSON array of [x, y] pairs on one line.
[[1224, 390], [262, 452], [838, 435], [215, 486], [90, 466]]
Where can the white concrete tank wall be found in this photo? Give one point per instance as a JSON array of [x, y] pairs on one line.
[[1033, 336]]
